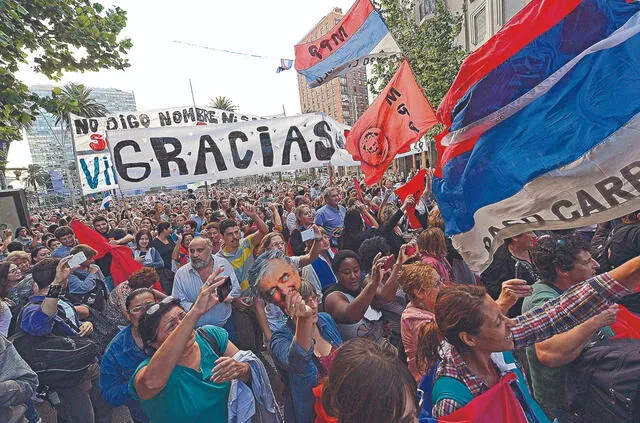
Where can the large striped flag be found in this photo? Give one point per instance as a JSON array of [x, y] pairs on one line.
[[360, 37], [543, 126]]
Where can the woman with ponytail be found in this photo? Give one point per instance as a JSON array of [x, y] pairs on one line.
[[481, 336]]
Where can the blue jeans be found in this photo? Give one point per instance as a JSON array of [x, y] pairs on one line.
[[231, 330]]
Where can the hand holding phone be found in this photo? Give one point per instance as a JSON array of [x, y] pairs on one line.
[[77, 259], [224, 290], [307, 235]]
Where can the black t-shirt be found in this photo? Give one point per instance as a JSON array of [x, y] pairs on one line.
[[165, 250], [625, 244]]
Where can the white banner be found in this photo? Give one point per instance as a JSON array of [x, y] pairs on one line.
[[89, 135], [156, 157]]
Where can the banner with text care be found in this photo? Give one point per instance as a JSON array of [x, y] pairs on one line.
[[155, 157], [89, 135]]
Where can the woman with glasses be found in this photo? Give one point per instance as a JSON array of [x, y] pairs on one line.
[[124, 354], [304, 346], [187, 377]]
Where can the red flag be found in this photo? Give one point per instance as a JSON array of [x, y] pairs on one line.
[[399, 116], [414, 187], [498, 405], [122, 262], [356, 185], [627, 324]]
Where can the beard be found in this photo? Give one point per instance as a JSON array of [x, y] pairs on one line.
[[198, 263]]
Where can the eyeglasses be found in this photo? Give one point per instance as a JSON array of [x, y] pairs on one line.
[[140, 307], [155, 307]]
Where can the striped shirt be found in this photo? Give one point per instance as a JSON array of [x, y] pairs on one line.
[[241, 260]]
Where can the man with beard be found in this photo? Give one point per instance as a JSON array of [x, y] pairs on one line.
[[190, 278], [115, 236]]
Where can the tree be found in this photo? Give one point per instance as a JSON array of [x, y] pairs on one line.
[[62, 36], [36, 176], [223, 103], [72, 98], [430, 47]]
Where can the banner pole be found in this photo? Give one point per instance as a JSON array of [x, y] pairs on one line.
[[75, 158]]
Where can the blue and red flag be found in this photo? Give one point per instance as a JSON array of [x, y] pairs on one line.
[[360, 37], [542, 125]]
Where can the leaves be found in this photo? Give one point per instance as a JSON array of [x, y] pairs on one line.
[[53, 31], [223, 103], [430, 47]]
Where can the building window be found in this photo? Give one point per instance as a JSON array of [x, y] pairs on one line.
[[479, 19], [425, 8], [510, 8]]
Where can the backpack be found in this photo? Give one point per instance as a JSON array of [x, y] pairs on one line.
[[601, 252], [59, 361], [604, 385], [95, 298]]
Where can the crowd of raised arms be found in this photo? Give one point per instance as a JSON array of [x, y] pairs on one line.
[[300, 303]]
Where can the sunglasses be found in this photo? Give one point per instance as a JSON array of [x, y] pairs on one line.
[[140, 307], [156, 306]]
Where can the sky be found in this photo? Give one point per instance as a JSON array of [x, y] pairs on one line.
[[160, 69]]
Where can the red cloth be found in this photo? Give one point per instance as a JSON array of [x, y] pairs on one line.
[[414, 187], [122, 262], [399, 116], [321, 414], [498, 405], [627, 324], [356, 185]]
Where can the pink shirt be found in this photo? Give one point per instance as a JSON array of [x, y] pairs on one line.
[[412, 318]]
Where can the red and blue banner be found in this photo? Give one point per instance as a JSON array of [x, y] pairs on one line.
[[542, 126], [360, 38]]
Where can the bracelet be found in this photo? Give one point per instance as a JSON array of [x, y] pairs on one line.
[[54, 291]]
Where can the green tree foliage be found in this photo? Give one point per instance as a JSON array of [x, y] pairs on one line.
[[430, 47], [57, 36], [72, 98], [223, 103]]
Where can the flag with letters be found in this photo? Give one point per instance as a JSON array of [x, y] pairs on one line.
[[399, 116], [359, 38], [542, 126]]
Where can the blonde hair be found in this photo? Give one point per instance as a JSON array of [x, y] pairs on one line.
[[416, 277], [16, 257]]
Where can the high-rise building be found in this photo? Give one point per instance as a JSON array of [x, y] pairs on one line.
[[343, 98], [481, 18], [51, 147]]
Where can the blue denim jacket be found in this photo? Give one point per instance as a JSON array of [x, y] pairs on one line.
[[300, 368], [119, 363]]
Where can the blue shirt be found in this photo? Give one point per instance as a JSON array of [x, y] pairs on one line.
[[120, 361], [187, 285], [331, 218], [300, 367], [37, 323], [61, 252], [199, 222]]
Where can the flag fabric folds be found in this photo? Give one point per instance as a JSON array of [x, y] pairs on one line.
[[497, 405], [122, 262], [285, 64], [359, 38], [542, 123], [414, 187], [627, 324], [106, 201], [399, 116]]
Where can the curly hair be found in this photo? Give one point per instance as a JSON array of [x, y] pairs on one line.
[[556, 252], [370, 248], [416, 277], [143, 278]]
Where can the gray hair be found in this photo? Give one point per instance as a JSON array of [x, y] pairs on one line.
[[327, 191], [259, 268]]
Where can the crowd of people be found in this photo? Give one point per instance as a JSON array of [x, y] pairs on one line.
[[298, 303]]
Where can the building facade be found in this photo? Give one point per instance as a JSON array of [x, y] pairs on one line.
[[343, 98], [51, 146], [481, 18]]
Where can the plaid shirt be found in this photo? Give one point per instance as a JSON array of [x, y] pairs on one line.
[[558, 315]]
